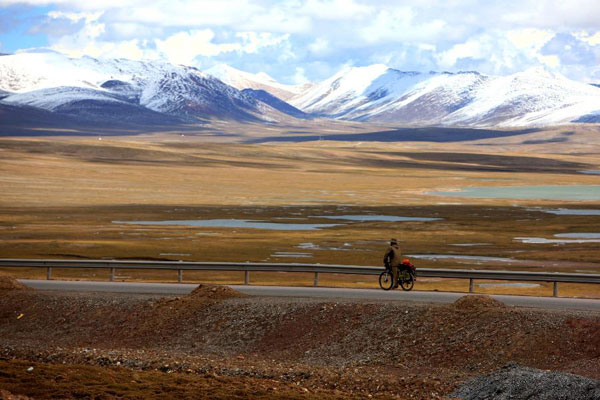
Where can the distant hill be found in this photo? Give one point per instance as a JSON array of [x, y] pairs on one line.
[[535, 97], [139, 92]]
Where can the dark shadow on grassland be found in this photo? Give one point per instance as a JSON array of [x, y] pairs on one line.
[[433, 134], [493, 162], [124, 155], [568, 168], [22, 121]]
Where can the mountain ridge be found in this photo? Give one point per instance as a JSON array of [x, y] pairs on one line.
[[378, 93], [157, 92], [93, 89]]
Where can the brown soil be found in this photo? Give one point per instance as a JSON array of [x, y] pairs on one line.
[[6, 395], [9, 283], [477, 302], [345, 348], [213, 292]]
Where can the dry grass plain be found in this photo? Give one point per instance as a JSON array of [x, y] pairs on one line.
[[60, 196]]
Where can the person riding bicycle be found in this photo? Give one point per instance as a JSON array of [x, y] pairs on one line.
[[393, 259]]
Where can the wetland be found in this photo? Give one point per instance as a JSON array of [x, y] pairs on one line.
[[333, 202]]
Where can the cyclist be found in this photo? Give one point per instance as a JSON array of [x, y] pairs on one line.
[[392, 259]]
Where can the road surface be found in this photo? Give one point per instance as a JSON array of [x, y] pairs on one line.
[[314, 292]]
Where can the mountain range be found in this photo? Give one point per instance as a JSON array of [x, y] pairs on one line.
[[52, 87]]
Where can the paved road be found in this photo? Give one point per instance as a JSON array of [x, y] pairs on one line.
[[315, 292]]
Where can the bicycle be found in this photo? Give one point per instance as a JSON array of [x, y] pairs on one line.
[[406, 277]]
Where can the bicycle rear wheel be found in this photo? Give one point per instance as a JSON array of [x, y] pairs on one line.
[[407, 284], [386, 281]]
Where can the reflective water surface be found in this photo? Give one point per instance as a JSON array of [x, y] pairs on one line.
[[234, 223]]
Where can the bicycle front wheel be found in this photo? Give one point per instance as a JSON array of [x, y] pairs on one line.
[[386, 280]]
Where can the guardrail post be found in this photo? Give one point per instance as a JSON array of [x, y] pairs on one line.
[[470, 285], [112, 274], [316, 282], [179, 275], [555, 290], [246, 277], [49, 273]]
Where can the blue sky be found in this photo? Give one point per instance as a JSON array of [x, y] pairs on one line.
[[299, 40]]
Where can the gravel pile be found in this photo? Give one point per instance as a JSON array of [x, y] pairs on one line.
[[9, 283], [477, 302], [516, 382]]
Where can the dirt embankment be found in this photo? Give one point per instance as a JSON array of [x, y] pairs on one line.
[[334, 348], [7, 282]]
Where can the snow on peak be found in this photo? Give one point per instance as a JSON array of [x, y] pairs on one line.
[[25, 72], [259, 81], [377, 93]]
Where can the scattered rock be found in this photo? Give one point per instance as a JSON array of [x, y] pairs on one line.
[[516, 382], [477, 302]]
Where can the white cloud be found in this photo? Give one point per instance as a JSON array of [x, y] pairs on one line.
[[469, 49], [318, 36], [299, 77], [551, 61], [336, 9], [253, 41], [591, 39], [401, 25], [184, 47], [75, 16], [320, 45], [529, 38]]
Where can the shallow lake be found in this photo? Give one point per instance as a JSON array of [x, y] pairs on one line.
[[547, 192], [369, 217], [565, 238], [512, 284], [569, 211], [289, 254], [233, 223], [579, 235], [459, 257]]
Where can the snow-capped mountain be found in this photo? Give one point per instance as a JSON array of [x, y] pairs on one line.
[[140, 90], [534, 97], [119, 91], [261, 81]]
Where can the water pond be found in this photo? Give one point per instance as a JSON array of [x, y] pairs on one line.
[[233, 223], [543, 192], [569, 211], [511, 284], [369, 217], [579, 235], [565, 238], [290, 254], [459, 257]]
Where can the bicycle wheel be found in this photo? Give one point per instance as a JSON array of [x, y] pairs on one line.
[[385, 280], [407, 284]]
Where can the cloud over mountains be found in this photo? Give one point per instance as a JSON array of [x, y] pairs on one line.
[[299, 40]]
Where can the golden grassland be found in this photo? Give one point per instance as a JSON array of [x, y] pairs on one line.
[[60, 197]]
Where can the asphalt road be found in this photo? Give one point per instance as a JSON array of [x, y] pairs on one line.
[[314, 292]]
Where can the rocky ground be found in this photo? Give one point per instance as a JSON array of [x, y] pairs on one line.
[[516, 382], [218, 341]]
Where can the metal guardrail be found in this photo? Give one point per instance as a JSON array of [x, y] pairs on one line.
[[248, 267]]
